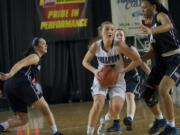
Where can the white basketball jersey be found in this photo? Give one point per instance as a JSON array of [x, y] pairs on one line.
[[112, 57]]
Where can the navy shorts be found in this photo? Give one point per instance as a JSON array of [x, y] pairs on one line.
[[169, 66], [132, 83], [21, 94]]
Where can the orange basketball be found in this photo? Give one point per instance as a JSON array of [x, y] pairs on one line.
[[108, 76]]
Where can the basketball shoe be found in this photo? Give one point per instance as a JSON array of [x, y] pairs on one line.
[[157, 124], [128, 122], [169, 131], [115, 127]]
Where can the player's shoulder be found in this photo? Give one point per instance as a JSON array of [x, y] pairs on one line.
[[95, 46]]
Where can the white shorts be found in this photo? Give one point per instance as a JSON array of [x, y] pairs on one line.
[[117, 90]]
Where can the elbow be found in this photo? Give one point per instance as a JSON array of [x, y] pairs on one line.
[[170, 26], [84, 63]]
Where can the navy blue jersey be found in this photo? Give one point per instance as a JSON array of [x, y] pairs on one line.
[[21, 89], [166, 41], [31, 72]]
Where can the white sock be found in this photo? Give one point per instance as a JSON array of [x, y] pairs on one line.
[[131, 116], [53, 129], [5, 125], [90, 130], [159, 117], [107, 117], [171, 123]]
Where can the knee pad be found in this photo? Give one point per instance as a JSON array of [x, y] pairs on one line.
[[150, 96]]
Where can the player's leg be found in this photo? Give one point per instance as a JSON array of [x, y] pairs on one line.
[[117, 98], [169, 80], [151, 98], [99, 95], [19, 108], [42, 106]]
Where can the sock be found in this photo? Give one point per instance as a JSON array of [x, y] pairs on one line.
[[171, 123], [118, 117], [159, 117], [53, 129], [107, 117], [131, 116], [5, 125], [90, 130]]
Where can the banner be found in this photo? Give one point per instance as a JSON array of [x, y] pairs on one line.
[[65, 19], [126, 14]]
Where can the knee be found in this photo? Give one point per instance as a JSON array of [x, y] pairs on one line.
[[98, 105], [116, 108], [166, 86], [163, 92], [130, 96], [150, 96]]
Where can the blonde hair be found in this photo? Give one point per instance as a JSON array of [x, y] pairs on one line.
[[104, 23]]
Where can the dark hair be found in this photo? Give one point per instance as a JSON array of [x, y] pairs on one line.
[[32, 43], [159, 6], [35, 41]]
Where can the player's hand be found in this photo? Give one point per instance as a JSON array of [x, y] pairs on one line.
[[146, 30], [121, 71], [97, 72]]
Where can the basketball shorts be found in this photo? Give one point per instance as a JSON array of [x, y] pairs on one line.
[[169, 67], [21, 94], [117, 90], [132, 83]]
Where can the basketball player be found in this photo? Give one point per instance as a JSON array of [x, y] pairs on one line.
[[108, 52], [21, 91], [166, 71], [133, 82]]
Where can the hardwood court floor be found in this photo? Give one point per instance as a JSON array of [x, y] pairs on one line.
[[72, 119]]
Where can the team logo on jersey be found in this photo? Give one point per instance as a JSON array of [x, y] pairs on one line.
[[110, 59]]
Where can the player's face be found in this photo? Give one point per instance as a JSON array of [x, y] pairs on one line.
[[147, 9], [119, 35], [108, 31], [42, 45]]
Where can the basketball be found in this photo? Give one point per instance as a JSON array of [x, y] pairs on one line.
[[108, 76]]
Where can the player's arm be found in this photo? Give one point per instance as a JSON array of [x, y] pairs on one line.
[[145, 68], [131, 54], [166, 25], [148, 55], [143, 65], [88, 58], [32, 59]]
